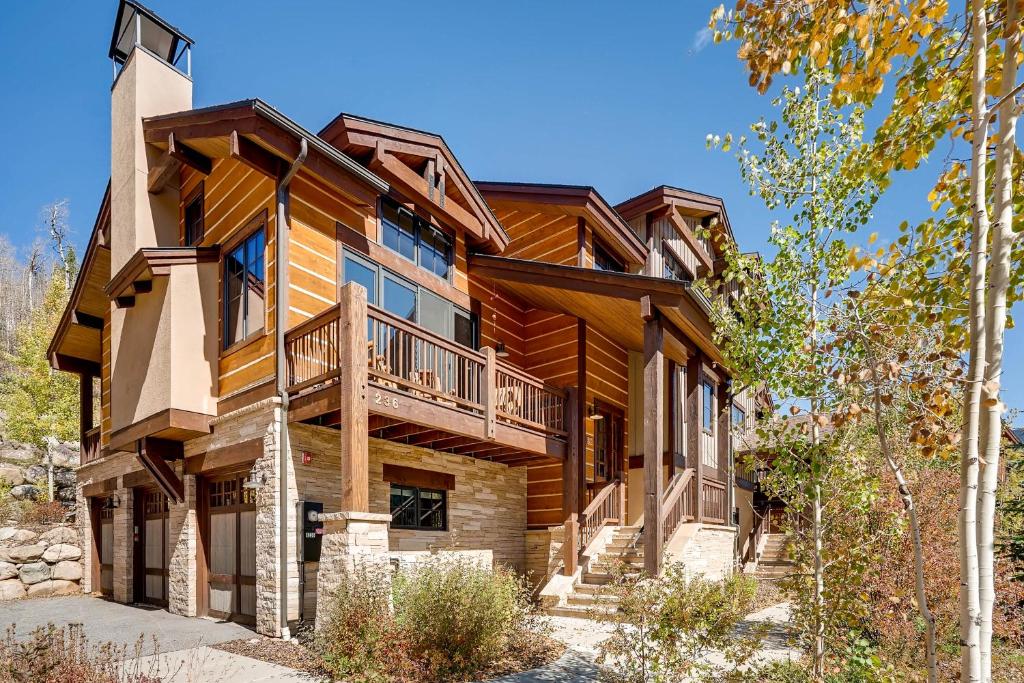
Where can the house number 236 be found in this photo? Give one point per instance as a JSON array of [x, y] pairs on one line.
[[386, 401]]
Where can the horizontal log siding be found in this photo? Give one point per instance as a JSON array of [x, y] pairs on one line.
[[551, 355], [608, 382], [501, 320], [540, 237]]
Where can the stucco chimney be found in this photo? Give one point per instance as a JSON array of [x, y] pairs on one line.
[[148, 56]]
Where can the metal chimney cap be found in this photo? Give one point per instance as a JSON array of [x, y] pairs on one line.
[[157, 35]]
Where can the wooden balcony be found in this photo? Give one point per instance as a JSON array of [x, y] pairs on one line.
[[425, 390], [90, 446]]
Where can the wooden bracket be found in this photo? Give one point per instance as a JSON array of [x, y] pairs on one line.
[[253, 155], [153, 455], [188, 156]]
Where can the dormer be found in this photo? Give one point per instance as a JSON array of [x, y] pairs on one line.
[[424, 175]]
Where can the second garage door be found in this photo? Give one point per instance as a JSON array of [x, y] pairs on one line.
[[231, 549]]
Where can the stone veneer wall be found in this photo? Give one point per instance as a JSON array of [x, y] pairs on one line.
[[487, 509], [710, 552], [39, 565], [543, 555]]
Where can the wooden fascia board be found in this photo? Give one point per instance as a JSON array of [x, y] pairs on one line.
[[146, 264], [194, 423], [274, 139], [88, 263], [585, 280], [411, 182], [373, 135]]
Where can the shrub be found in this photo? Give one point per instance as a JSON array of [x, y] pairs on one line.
[[666, 627], [64, 655], [459, 617], [358, 638]]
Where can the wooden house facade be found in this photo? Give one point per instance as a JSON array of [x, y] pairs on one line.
[[315, 347]]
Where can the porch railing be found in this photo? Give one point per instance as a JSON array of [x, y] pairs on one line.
[[714, 500], [677, 504], [605, 508], [404, 356], [90, 446]]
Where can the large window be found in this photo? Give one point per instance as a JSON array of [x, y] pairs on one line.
[[405, 299], [414, 238], [708, 406], [244, 289], [417, 508]]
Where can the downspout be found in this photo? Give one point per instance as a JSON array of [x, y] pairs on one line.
[[280, 323]]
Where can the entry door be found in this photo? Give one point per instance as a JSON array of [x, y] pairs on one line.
[[232, 550], [106, 550], [154, 544]]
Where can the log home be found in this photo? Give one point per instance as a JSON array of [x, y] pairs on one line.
[[317, 349]]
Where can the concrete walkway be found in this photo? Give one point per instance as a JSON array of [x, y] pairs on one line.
[[210, 665]]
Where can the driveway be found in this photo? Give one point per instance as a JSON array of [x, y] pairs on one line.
[[122, 624]]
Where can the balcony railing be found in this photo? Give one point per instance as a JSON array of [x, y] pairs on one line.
[[714, 500], [403, 356], [90, 446], [677, 503]]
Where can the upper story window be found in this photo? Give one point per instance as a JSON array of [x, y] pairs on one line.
[[407, 300], [414, 238], [739, 417], [244, 293], [673, 269], [708, 406], [194, 218], [603, 259]]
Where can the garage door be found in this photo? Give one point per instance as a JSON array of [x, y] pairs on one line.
[[231, 550], [155, 555]]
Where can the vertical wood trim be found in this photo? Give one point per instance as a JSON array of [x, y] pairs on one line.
[[581, 411], [693, 428], [95, 521], [489, 393], [671, 392], [654, 402], [85, 415], [724, 440], [355, 484], [202, 562], [570, 466], [581, 242], [570, 546], [138, 547]]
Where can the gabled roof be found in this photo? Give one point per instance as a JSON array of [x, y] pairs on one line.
[[576, 200], [687, 201], [75, 346], [380, 145]]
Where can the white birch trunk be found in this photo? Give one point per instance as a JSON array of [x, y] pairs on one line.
[[995, 323], [970, 659]]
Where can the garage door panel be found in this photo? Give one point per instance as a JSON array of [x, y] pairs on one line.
[[231, 550]]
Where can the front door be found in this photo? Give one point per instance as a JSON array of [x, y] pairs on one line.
[[153, 544], [231, 549]]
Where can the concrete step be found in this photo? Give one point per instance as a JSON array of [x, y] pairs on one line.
[[590, 589], [600, 578], [592, 599], [581, 612]]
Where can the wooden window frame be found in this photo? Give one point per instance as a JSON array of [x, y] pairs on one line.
[[742, 424], [609, 255], [707, 409], [252, 226], [419, 222], [418, 490], [198, 194]]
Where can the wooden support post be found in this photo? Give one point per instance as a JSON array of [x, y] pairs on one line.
[[654, 413], [724, 438], [570, 548], [693, 431], [623, 513], [355, 483], [573, 450], [581, 413], [85, 416], [489, 393]]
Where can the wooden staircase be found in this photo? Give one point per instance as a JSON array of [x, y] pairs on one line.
[[774, 562]]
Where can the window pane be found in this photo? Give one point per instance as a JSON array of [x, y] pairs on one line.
[[406, 235], [434, 251], [255, 290], [435, 313], [709, 406], [465, 329], [194, 221], [603, 260], [432, 509], [357, 271], [403, 505], [399, 299], [234, 269]]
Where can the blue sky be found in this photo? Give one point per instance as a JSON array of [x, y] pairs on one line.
[[615, 95]]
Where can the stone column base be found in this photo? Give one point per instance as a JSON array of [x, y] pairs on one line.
[[352, 541]]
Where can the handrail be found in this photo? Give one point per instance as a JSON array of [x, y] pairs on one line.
[[405, 356], [604, 508], [676, 505]]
